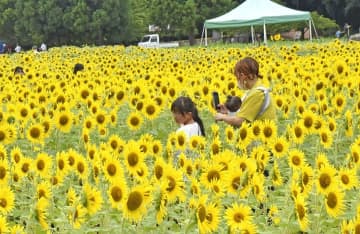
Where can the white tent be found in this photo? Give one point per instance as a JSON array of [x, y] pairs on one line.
[[256, 12]]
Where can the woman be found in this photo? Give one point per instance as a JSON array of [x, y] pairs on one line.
[[256, 103]]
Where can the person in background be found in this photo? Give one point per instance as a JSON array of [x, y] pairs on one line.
[[233, 104], [256, 103], [43, 47], [347, 30], [35, 49], [186, 115], [78, 67], [17, 48], [19, 71]]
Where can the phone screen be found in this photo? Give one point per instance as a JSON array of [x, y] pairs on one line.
[[216, 100]]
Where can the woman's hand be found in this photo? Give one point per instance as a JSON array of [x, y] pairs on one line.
[[221, 108], [219, 116]]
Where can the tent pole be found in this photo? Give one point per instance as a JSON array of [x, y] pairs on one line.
[[265, 38], [206, 37], [252, 34], [316, 34], [202, 36], [310, 34]]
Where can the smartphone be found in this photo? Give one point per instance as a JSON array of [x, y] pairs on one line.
[[216, 100]]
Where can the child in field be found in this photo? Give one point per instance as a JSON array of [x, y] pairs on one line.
[[233, 104], [186, 115]]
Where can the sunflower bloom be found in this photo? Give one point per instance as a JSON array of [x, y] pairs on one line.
[[229, 134], [112, 169], [3, 153], [4, 172], [71, 197], [62, 165], [297, 132], [215, 146], [7, 198], [134, 121], [233, 181], [276, 177], [117, 192], [64, 120], [326, 138], [161, 212], [42, 206], [238, 215], [159, 168], [173, 185], [279, 146], [307, 179], [156, 148], [3, 224], [326, 179], [245, 136], [208, 217], [181, 141], [301, 213], [339, 102], [348, 178], [347, 226], [133, 157], [349, 129], [296, 158], [321, 160], [210, 173], [257, 183], [268, 131], [150, 110], [35, 134], [78, 216], [43, 165], [81, 167], [93, 199], [44, 190], [15, 155], [334, 203], [16, 229], [136, 202]]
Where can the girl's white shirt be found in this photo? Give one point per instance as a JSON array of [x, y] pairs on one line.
[[190, 130]]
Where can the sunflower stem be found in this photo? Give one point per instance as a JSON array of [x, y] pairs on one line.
[[57, 141]]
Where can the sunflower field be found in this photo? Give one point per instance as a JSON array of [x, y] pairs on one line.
[[97, 152]]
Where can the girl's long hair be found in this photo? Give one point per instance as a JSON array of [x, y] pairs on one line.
[[184, 105]]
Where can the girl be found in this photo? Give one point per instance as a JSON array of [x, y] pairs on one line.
[[186, 115]]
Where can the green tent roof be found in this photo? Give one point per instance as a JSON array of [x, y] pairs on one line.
[[257, 12]]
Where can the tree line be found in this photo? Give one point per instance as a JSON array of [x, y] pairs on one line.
[[98, 22]]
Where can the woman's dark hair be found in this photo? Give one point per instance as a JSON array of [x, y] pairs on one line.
[[18, 70], [78, 67], [248, 66], [184, 105]]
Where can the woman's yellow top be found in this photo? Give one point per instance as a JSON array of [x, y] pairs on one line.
[[252, 103]]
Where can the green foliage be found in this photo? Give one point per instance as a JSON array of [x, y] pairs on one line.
[[74, 22], [324, 26], [185, 18], [79, 22]]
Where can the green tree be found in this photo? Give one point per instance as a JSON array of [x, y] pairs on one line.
[[116, 24], [7, 19], [139, 18], [185, 17], [28, 25], [49, 15], [76, 19]]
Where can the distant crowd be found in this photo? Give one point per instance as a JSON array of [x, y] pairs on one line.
[[5, 48]]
